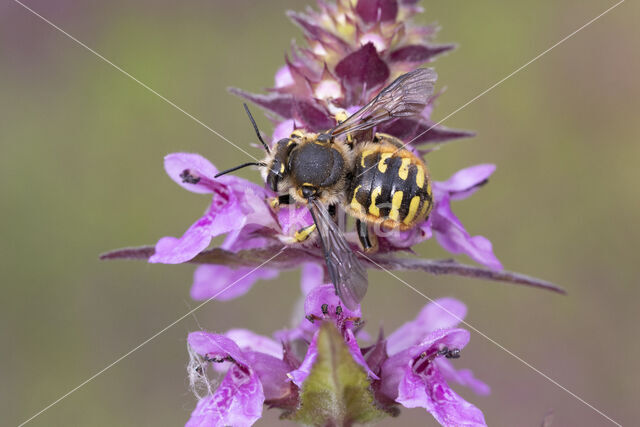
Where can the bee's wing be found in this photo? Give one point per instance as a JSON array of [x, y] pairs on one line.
[[406, 96], [347, 273]]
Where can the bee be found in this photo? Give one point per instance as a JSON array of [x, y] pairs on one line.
[[371, 176]]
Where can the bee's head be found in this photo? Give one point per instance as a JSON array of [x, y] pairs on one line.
[[279, 165]]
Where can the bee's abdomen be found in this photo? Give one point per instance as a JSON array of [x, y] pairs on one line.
[[390, 186]]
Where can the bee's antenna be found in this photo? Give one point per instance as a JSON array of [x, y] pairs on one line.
[[255, 126], [244, 165]]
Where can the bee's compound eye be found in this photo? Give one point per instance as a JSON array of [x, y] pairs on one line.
[[272, 180], [284, 142], [308, 191], [323, 137]]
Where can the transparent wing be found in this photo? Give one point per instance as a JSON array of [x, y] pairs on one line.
[[347, 273], [406, 96]]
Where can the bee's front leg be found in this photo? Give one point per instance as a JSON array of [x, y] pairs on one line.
[[369, 241], [304, 233], [275, 202]]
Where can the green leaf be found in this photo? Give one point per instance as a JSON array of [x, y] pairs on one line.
[[337, 392]]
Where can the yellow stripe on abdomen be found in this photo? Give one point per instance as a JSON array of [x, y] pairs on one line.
[[413, 210], [355, 204], [396, 202], [426, 208], [403, 172], [382, 166], [419, 176], [373, 209], [364, 155]]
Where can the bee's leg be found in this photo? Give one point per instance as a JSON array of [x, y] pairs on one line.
[[338, 216], [333, 211], [304, 233], [275, 202], [368, 240], [341, 116]]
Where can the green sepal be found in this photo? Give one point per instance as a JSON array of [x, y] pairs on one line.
[[337, 391]]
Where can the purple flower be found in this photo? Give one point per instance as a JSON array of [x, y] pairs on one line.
[[417, 370], [411, 367], [257, 374], [352, 52], [235, 203], [449, 231], [322, 304]]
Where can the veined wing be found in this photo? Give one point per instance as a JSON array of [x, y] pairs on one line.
[[347, 273], [405, 96]]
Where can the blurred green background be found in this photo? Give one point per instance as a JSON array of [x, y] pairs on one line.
[[81, 173]]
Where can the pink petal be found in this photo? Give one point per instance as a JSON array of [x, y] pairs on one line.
[[237, 401], [282, 130], [170, 250], [463, 377], [452, 236], [298, 376], [377, 10], [443, 313], [292, 219], [326, 295], [220, 219], [405, 239], [215, 346], [283, 77], [224, 283], [466, 181], [430, 391], [354, 349], [177, 163], [395, 367], [249, 340], [312, 276], [272, 373]]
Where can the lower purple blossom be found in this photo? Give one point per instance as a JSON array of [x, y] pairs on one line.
[[417, 370], [322, 304], [449, 231], [239, 398], [254, 377], [416, 381], [410, 367]]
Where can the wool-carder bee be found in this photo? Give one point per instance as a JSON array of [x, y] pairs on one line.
[[373, 177]]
